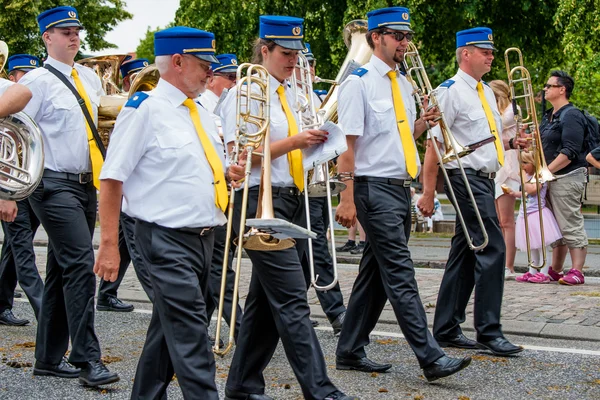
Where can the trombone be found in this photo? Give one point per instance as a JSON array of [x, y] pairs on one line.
[[417, 76], [267, 233], [523, 98], [311, 119]]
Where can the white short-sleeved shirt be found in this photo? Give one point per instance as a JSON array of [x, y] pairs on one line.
[[155, 151], [466, 120], [209, 101], [280, 172], [366, 109], [4, 84], [59, 116]]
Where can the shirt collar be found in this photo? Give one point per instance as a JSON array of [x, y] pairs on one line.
[[62, 67], [468, 79], [275, 84], [210, 94], [381, 67], [175, 96]]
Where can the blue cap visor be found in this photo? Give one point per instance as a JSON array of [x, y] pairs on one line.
[[486, 46], [397, 27], [68, 24], [290, 44], [206, 57]]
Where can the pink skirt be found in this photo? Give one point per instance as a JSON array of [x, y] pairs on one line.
[[551, 230]]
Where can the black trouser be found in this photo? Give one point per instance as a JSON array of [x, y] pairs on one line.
[[386, 272], [214, 283], [178, 263], [277, 307], [18, 260], [467, 269], [127, 225], [332, 300], [67, 210]]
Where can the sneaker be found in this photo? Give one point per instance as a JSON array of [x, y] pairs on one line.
[[358, 249], [573, 277], [349, 245], [554, 276], [509, 275], [524, 278], [539, 278]]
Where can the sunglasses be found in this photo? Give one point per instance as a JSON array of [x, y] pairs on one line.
[[399, 36], [312, 63], [231, 77], [548, 86]]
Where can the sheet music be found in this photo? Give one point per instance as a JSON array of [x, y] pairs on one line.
[[333, 147]]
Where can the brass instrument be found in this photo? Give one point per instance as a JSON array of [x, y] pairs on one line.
[[3, 58], [267, 232], [107, 69], [523, 101], [417, 76], [320, 181], [21, 151]]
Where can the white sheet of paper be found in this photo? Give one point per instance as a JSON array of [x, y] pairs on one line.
[[333, 147]]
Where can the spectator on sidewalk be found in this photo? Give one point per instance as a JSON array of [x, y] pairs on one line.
[[508, 175], [562, 131], [351, 245]]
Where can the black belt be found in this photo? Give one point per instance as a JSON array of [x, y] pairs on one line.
[[197, 231], [471, 171], [83, 178], [277, 191], [389, 181]]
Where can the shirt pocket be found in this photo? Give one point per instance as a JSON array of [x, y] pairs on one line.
[[173, 142], [478, 123], [65, 114], [382, 115]]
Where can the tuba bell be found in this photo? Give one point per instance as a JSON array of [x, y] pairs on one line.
[[21, 151]]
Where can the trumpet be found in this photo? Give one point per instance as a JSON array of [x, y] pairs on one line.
[[523, 101], [417, 76], [267, 233]]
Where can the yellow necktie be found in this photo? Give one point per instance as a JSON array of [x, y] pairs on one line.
[[294, 156], [95, 154], [215, 162], [406, 137], [492, 123]]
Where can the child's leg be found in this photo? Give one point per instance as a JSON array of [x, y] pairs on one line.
[[536, 258]]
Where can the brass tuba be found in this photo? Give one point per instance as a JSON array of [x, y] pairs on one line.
[[21, 151], [523, 101], [417, 76]]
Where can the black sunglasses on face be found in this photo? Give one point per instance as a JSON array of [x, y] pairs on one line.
[[548, 86], [312, 63], [399, 36], [231, 77]]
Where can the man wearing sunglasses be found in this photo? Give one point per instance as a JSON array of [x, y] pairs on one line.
[[378, 112]]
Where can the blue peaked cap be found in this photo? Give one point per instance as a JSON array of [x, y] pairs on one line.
[[59, 17], [396, 18], [185, 40], [287, 32], [479, 37], [24, 62]]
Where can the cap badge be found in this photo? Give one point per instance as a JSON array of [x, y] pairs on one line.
[[296, 30], [405, 16], [145, 63], [490, 37], [32, 62], [213, 43], [72, 14], [234, 61]]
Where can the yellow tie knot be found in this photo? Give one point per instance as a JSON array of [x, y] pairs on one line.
[[392, 74]]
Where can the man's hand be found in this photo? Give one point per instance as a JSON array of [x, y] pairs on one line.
[[345, 214], [425, 205], [8, 210], [431, 115], [107, 262], [237, 172]]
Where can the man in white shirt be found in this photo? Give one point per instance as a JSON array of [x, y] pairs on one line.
[[471, 114], [167, 161], [224, 78], [379, 117], [18, 257], [65, 203]]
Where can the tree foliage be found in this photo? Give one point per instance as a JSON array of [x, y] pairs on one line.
[[19, 28]]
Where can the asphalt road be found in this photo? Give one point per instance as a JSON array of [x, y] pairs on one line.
[[554, 369]]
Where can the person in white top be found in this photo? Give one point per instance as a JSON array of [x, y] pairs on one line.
[[471, 114], [13, 98], [223, 79], [277, 306], [507, 176], [167, 161], [377, 112], [129, 69], [65, 202], [18, 257]]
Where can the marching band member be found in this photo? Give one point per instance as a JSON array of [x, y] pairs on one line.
[[332, 301], [65, 202], [129, 68], [167, 161], [377, 111], [471, 113], [277, 306], [18, 257], [224, 77]]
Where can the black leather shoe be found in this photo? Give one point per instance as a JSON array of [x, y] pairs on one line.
[[358, 249], [363, 364], [445, 366], [500, 347], [337, 395], [235, 395], [17, 295], [113, 304], [314, 323], [95, 373], [460, 342], [62, 370], [8, 318], [211, 339], [337, 324], [349, 245]]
